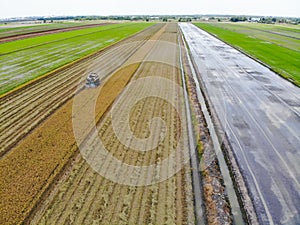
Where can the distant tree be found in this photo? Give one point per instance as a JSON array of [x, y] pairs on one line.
[[238, 18], [267, 20], [185, 20]]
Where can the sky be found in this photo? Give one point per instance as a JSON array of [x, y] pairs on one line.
[[21, 8]]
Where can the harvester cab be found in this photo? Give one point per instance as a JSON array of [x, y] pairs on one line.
[[92, 80]]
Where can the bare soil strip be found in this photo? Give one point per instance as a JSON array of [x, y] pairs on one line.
[[45, 32], [82, 196]]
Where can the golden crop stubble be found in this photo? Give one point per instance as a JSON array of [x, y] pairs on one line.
[[114, 203], [28, 169]]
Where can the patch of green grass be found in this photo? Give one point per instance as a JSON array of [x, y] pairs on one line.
[[283, 60], [33, 57], [276, 34]]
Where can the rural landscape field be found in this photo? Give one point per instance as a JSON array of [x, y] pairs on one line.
[[150, 119]]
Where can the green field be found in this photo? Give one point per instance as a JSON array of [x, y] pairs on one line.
[[5, 32], [24, 60], [276, 45]]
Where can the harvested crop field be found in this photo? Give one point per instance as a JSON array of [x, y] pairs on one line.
[[43, 90], [58, 185], [85, 197]]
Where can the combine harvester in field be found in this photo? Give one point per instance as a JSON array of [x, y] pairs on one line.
[[92, 80]]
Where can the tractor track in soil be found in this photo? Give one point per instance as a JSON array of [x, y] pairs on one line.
[[25, 109]]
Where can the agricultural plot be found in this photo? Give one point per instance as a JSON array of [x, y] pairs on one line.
[[21, 36], [285, 36], [82, 195], [49, 153], [85, 197], [53, 170], [276, 46], [24, 60], [281, 29]]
